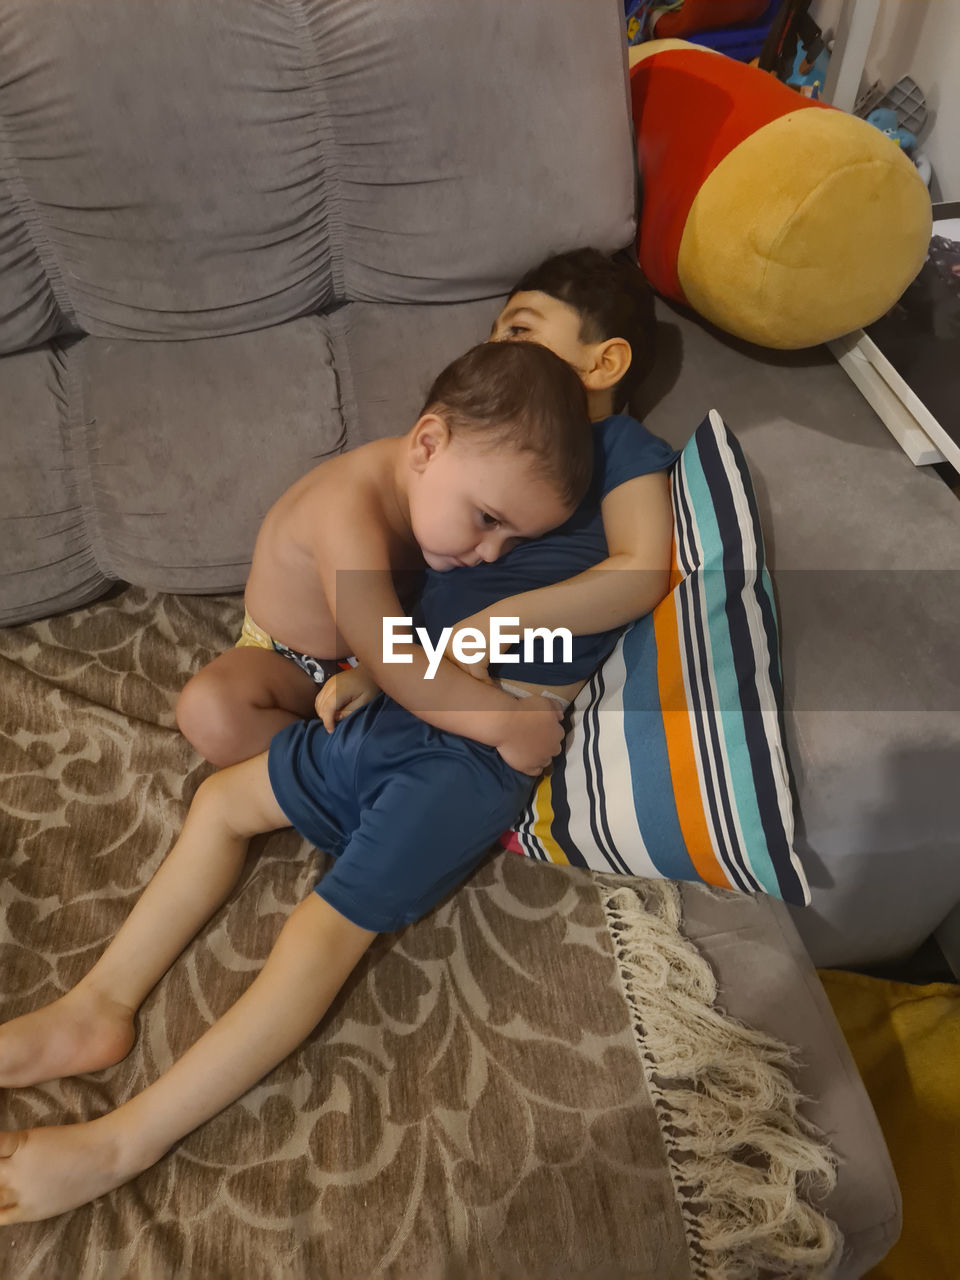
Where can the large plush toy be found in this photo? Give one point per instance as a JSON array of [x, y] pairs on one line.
[[780, 219]]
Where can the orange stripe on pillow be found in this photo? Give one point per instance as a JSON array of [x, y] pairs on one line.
[[676, 729], [543, 806]]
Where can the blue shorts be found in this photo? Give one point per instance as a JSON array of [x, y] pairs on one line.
[[406, 810]]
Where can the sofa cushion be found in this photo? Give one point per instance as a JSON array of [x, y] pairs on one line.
[[865, 553], [675, 765], [48, 560], [155, 462], [190, 443], [388, 355], [750, 943]]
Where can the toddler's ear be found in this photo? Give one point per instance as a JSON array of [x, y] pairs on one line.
[[428, 436], [611, 360]]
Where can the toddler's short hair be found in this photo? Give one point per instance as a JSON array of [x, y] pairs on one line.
[[520, 396], [613, 300]]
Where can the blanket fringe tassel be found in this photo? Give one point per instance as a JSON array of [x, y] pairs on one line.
[[743, 1160]]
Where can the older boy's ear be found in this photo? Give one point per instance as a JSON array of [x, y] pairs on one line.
[[428, 434], [611, 362]]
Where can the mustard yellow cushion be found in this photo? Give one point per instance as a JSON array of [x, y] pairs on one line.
[[812, 226]]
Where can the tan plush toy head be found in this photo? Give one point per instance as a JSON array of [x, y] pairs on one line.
[[782, 220]]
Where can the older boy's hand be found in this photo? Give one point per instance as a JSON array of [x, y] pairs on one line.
[[534, 735], [343, 694]]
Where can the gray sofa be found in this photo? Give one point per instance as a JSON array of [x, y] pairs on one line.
[[236, 238]]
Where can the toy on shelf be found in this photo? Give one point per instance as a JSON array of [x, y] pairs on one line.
[[776, 217], [809, 74], [885, 119], [905, 99], [904, 111]]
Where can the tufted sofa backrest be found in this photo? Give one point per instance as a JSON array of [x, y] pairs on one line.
[[193, 168], [332, 194]]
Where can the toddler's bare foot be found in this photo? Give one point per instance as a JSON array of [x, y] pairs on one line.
[[48, 1171], [82, 1031]]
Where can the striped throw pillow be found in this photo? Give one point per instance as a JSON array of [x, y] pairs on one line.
[[675, 765]]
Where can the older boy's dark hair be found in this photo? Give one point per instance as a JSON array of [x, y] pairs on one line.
[[613, 300], [516, 395]]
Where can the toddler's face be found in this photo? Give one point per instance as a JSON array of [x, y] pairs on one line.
[[537, 317], [469, 506]]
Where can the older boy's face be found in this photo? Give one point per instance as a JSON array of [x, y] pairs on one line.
[[536, 317]]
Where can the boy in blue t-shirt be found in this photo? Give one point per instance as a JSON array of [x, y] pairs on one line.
[[407, 808], [414, 835]]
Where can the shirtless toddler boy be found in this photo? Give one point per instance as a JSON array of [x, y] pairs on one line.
[[500, 452]]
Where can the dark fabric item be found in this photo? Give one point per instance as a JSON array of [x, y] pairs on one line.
[[190, 443], [406, 810], [387, 356], [193, 170], [48, 558], [623, 450]]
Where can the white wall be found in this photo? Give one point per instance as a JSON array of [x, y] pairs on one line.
[[919, 38]]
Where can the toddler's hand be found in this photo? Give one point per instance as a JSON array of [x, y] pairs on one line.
[[534, 736], [343, 694]]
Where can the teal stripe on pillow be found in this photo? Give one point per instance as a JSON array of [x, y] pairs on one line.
[[722, 596], [752, 618]]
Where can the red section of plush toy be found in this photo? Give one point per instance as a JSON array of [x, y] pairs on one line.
[[690, 109], [705, 15]]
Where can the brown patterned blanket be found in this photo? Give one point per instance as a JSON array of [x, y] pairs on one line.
[[531, 1081]]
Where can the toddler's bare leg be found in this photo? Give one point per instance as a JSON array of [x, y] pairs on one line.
[[48, 1171], [235, 704], [92, 1025]]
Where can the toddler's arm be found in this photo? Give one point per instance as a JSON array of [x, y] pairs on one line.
[[528, 737]]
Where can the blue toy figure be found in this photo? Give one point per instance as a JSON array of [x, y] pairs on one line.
[[809, 76], [885, 119]]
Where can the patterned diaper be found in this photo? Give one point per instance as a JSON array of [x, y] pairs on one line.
[[253, 636]]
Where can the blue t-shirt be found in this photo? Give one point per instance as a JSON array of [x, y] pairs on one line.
[[623, 450]]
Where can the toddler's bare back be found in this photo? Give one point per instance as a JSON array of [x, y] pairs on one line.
[[285, 593]]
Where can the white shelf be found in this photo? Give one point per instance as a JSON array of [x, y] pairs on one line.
[[905, 416]]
